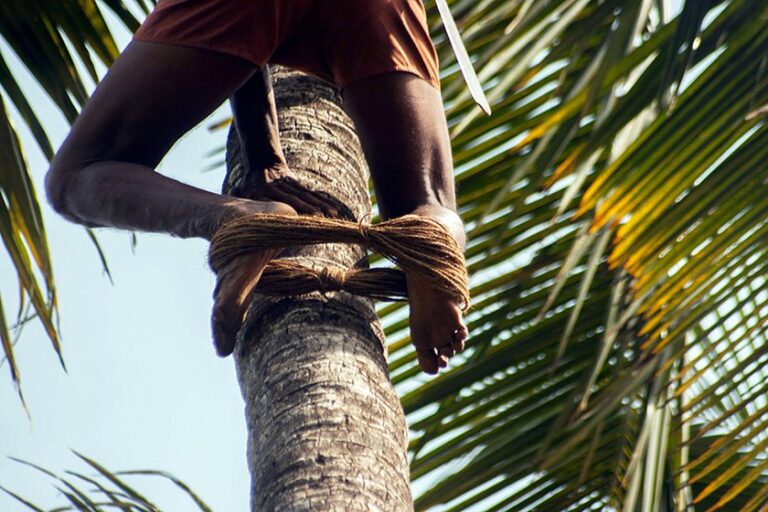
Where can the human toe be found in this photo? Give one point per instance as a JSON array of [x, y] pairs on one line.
[[428, 360]]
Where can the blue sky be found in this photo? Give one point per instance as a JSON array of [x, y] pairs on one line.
[[144, 388]]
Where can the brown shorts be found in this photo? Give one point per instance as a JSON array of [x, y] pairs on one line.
[[340, 41]]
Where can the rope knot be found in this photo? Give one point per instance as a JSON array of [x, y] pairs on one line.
[[331, 279], [365, 231]]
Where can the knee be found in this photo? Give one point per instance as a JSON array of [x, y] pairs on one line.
[[66, 176], [61, 183], [56, 188]]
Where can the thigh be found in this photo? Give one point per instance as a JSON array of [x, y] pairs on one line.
[[151, 96], [378, 37]]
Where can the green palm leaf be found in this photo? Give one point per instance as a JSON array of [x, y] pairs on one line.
[[616, 207], [43, 37], [104, 491], [625, 375]]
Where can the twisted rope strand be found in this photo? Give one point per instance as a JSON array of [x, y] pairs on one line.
[[420, 245], [286, 278]]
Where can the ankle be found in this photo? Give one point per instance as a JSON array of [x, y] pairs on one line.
[[447, 217]]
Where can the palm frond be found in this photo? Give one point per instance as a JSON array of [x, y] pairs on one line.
[[104, 491], [616, 212], [615, 202], [50, 40]]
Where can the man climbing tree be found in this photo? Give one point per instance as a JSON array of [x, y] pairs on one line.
[[191, 55]]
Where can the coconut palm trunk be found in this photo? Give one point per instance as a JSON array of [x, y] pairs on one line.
[[325, 428]]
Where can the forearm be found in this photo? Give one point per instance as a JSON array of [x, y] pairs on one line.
[[131, 196], [255, 117]]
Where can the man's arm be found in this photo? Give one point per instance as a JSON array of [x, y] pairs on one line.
[[255, 117], [267, 176]]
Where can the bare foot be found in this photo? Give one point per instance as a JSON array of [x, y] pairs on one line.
[[236, 281], [438, 331]]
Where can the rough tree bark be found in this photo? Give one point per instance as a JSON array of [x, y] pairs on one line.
[[326, 431]]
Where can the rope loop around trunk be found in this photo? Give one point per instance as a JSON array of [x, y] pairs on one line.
[[419, 245]]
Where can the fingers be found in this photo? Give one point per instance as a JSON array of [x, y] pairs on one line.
[[298, 203], [278, 184], [312, 198], [304, 200]]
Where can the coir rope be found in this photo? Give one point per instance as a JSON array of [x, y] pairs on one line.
[[418, 245]]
